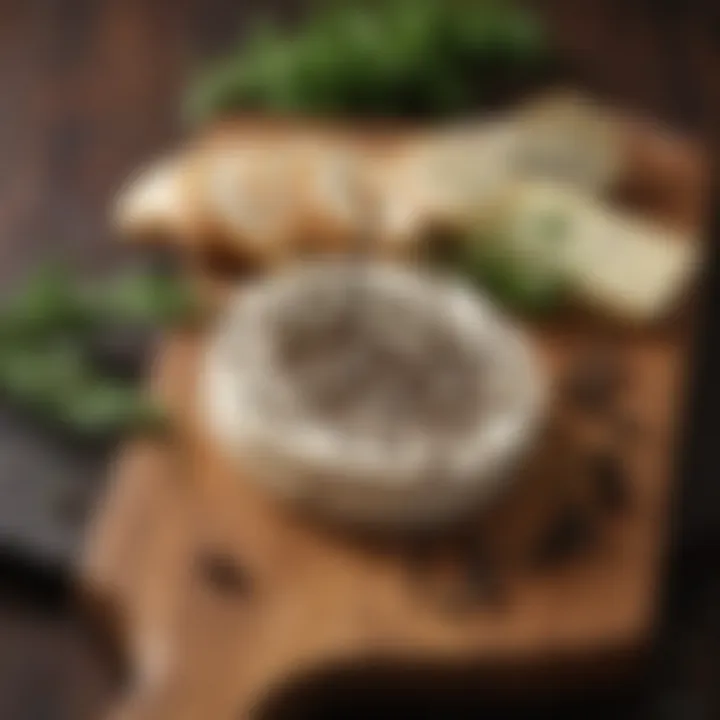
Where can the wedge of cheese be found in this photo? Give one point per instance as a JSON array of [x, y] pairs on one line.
[[569, 139], [621, 265]]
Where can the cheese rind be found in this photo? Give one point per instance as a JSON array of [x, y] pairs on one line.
[[415, 474]]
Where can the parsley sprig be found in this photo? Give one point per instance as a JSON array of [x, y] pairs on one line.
[[384, 58], [48, 329]]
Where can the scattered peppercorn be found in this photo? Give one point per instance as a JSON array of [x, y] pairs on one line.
[[417, 551], [483, 580], [223, 573], [610, 480], [571, 531], [593, 383]]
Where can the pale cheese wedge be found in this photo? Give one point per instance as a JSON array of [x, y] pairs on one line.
[[619, 264], [570, 139]]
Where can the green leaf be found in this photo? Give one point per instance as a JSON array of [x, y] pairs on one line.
[[45, 331], [49, 302], [523, 276], [56, 383], [394, 57], [106, 408], [519, 287], [146, 299], [42, 377]]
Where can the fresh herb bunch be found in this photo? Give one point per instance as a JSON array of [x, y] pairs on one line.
[[47, 332], [382, 58]]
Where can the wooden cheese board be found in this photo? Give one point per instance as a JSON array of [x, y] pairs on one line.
[[223, 599]]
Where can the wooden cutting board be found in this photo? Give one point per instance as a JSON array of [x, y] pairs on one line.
[[225, 600]]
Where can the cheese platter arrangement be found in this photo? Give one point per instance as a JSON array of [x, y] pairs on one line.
[[419, 416]]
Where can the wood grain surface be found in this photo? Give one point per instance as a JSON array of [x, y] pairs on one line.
[[311, 599], [89, 88], [316, 600]]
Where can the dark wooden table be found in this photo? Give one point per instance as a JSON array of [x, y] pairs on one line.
[[89, 88]]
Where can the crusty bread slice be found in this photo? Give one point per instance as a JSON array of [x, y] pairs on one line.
[[272, 189], [256, 192], [153, 202], [275, 195], [271, 193]]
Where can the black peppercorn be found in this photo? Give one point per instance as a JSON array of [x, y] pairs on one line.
[[571, 531], [223, 573], [475, 582], [593, 383], [610, 481], [418, 551], [483, 580]]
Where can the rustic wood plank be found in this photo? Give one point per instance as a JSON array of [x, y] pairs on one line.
[[316, 598]]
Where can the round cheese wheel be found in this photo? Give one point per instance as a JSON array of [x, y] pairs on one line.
[[371, 393]]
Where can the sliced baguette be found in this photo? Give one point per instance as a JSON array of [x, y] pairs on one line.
[[276, 190]]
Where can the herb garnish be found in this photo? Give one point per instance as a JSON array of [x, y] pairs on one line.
[[394, 58], [47, 330]]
